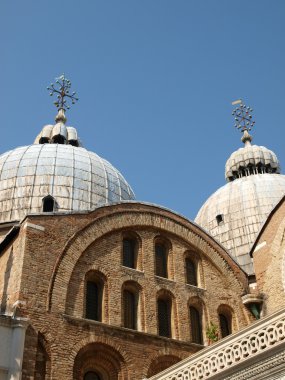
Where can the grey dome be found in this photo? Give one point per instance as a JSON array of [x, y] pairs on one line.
[[76, 178], [251, 159], [235, 213]]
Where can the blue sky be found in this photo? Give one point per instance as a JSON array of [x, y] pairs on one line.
[[155, 79]]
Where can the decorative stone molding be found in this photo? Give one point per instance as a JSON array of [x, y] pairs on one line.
[[232, 354]]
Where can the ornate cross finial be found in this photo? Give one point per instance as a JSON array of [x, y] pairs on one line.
[[62, 89], [243, 119], [243, 116]]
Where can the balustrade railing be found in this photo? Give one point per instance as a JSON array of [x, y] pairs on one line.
[[248, 343]]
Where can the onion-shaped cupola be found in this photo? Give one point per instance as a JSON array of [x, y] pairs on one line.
[[57, 173], [250, 160], [235, 213]]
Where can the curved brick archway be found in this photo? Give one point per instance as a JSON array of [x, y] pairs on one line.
[[102, 359], [124, 216], [160, 363]]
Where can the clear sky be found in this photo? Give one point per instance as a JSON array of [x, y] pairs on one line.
[[155, 79]]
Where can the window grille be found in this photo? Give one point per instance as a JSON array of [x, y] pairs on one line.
[[48, 204], [161, 260], [94, 301], [224, 325], [129, 253], [196, 325], [92, 376], [164, 318], [191, 273], [130, 310]]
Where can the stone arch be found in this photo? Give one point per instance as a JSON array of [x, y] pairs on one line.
[[160, 363], [101, 355], [124, 216]]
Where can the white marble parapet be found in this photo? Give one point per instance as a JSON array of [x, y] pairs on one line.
[[234, 353]]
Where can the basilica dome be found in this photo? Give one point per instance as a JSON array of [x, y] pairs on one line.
[[57, 174], [235, 213]]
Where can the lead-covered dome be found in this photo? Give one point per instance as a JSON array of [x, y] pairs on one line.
[[235, 213], [57, 169], [251, 159]]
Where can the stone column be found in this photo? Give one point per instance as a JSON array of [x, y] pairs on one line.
[[19, 326]]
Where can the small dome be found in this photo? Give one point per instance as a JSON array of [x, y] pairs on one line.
[[75, 178], [251, 159], [235, 213]]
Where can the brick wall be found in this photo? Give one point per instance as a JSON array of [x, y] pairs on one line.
[[268, 258], [58, 253]]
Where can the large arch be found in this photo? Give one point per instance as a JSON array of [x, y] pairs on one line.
[[124, 216], [102, 359]]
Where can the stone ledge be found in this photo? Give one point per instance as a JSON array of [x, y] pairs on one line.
[[124, 332]]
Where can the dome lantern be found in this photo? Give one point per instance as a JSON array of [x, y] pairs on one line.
[[251, 159]]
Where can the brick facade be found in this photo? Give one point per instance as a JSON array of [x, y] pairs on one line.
[[47, 265], [268, 257]]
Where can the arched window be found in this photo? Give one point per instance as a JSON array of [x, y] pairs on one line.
[[161, 258], [164, 317], [130, 252], [92, 376], [48, 204], [58, 139], [191, 272], [130, 304], [225, 325], [93, 305], [196, 325]]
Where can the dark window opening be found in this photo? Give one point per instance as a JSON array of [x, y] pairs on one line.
[[129, 253], [196, 325], [161, 260], [94, 292], [73, 142], [224, 325], [44, 140], [130, 310], [58, 139], [164, 318], [191, 272], [92, 376], [220, 219], [48, 204]]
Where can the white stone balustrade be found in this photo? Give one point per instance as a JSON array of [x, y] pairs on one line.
[[237, 350]]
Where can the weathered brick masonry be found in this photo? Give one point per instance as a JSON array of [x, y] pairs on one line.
[[46, 266]]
